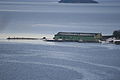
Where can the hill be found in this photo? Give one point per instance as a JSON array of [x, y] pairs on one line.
[[78, 1]]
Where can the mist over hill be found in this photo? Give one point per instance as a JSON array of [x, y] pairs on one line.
[[53, 0], [78, 1]]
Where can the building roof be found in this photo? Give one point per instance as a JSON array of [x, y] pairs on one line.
[[77, 33]]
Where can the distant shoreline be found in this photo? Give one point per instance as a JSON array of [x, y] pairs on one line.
[[77, 1]]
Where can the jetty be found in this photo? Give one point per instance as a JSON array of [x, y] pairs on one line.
[[21, 38]]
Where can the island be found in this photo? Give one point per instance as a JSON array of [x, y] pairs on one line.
[[77, 1]]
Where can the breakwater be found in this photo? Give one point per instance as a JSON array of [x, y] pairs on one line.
[[19, 38]]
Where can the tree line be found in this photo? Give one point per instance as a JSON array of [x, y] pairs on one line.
[[116, 34]]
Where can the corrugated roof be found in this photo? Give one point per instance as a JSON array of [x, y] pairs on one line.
[[77, 33]]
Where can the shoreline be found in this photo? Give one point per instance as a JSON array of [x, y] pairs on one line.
[[113, 41]]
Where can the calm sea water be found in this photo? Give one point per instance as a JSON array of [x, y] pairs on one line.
[[40, 60], [52, 17]]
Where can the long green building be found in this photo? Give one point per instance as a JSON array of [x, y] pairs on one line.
[[79, 37]]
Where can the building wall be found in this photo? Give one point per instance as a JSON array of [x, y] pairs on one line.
[[94, 37], [98, 36], [75, 38]]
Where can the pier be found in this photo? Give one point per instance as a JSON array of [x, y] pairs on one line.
[[19, 38]]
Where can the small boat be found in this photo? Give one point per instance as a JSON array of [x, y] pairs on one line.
[[117, 42]]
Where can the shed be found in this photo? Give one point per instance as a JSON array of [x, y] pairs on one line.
[[77, 36]]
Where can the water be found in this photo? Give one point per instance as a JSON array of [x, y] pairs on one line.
[[40, 60], [52, 17]]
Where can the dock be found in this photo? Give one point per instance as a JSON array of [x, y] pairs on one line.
[[19, 38]]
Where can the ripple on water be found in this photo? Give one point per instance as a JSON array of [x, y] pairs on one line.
[[29, 71]]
